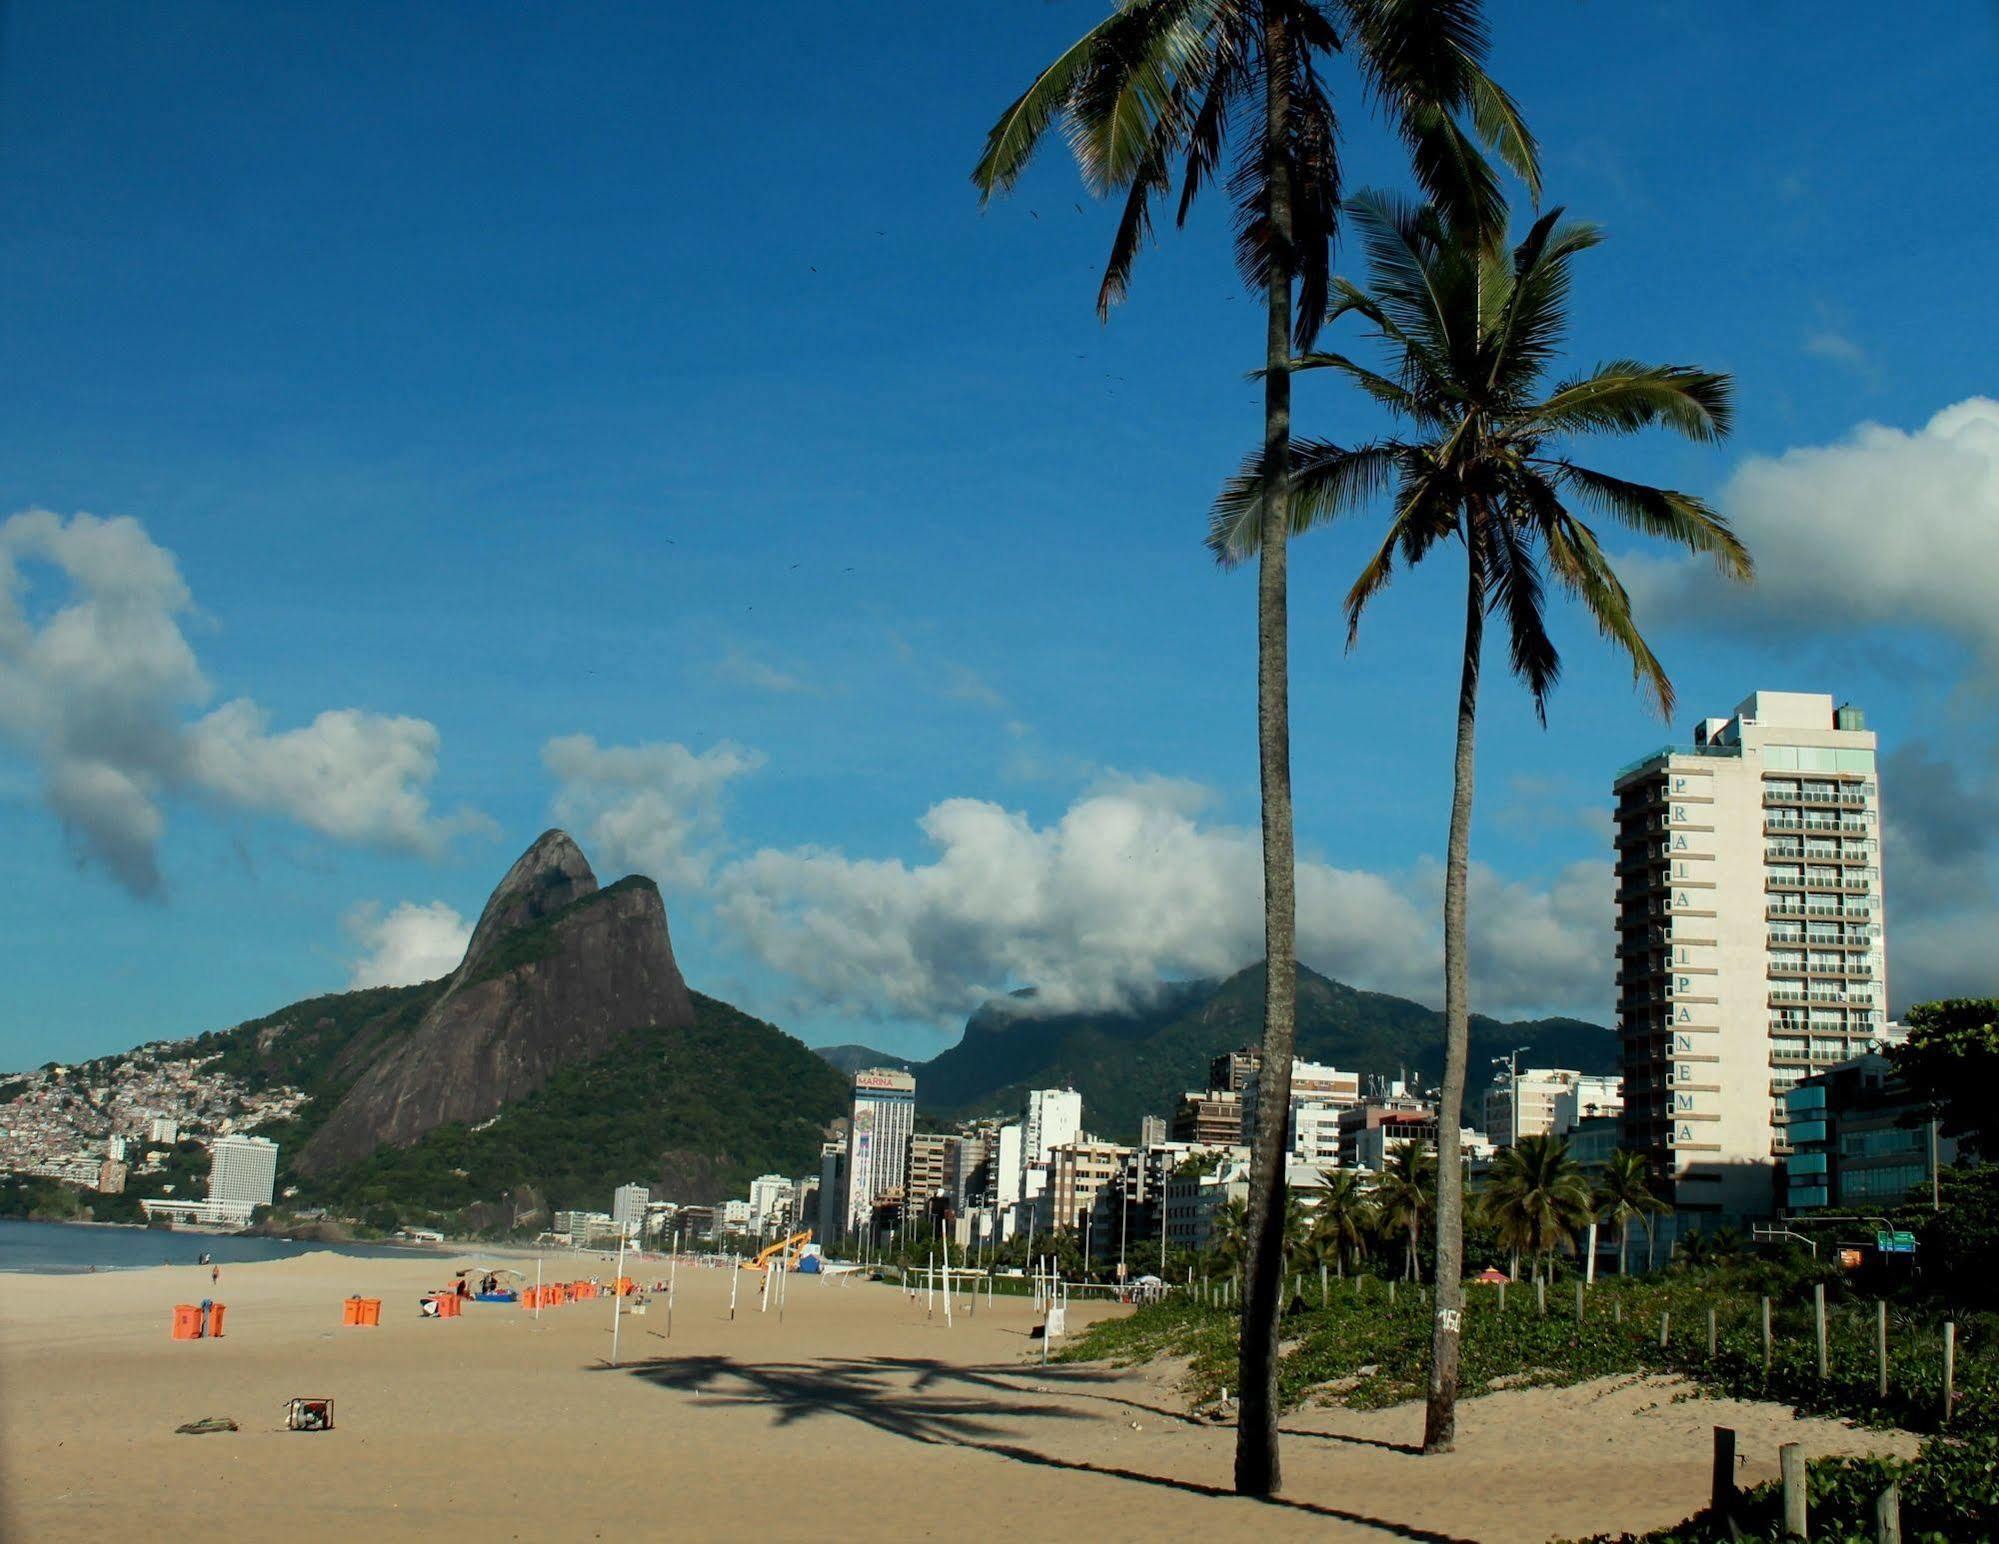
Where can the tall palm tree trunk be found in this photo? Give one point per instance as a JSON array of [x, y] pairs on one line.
[[1440, 1421], [1256, 1462]]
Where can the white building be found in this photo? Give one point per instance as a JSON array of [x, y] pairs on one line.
[[878, 1139], [1319, 1093], [162, 1132], [628, 1208], [770, 1203], [242, 1171], [1751, 949], [734, 1217], [1550, 1102], [1054, 1118]]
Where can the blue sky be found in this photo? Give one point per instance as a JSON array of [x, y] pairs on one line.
[[491, 379]]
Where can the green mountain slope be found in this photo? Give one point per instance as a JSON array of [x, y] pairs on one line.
[[1136, 1063], [698, 1110]]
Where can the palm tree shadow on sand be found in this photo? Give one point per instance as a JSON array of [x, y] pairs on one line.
[[946, 1404]]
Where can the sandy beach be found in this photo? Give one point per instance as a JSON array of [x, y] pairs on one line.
[[859, 1415]]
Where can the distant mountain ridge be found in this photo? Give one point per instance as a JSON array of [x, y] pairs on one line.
[[1136, 1062]]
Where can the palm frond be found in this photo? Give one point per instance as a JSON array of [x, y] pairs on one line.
[[1390, 394], [1012, 140], [1327, 481], [1623, 396], [1513, 580], [1132, 88], [1496, 118], [1662, 513], [1579, 563]]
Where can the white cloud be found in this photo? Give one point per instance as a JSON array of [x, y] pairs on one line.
[[412, 943], [1126, 888], [653, 808], [742, 669], [96, 685], [1830, 343], [1886, 528]]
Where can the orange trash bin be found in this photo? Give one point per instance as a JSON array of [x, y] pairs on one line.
[[215, 1311], [187, 1322], [350, 1311], [371, 1312]]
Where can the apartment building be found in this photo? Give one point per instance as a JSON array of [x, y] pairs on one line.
[[929, 1176], [1549, 1100], [1860, 1141], [884, 1116], [1312, 1127], [1208, 1119], [1750, 948]]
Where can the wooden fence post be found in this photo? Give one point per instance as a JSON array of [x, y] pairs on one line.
[[1665, 1321], [1881, 1346], [1888, 1514], [1721, 1490], [1617, 1310], [1579, 1302], [1710, 1334], [1541, 1296], [1818, 1317], [1766, 1337], [1791, 1460], [1949, 1367]]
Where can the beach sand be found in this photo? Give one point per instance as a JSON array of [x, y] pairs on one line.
[[857, 1416]]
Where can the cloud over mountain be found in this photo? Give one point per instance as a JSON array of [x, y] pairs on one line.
[[409, 944], [654, 808], [1128, 886]]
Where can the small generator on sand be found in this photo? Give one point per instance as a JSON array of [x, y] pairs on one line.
[[309, 1415]]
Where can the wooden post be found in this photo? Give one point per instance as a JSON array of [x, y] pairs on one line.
[[1324, 1299], [1710, 1334], [1617, 1310], [1579, 1302], [1541, 1296], [1502, 1297], [1791, 1460], [1818, 1318], [1949, 1368], [1665, 1328], [1888, 1514], [1721, 1487], [1766, 1337], [1391, 1292], [1881, 1347]]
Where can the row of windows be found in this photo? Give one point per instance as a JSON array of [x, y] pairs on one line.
[[1872, 1144], [1891, 1182]]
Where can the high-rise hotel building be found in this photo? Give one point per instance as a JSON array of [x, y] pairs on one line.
[[1750, 945], [884, 1118]]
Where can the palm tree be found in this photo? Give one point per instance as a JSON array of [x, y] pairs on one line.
[[1404, 1197], [1228, 1237], [1164, 85], [1470, 332], [1537, 1196], [1624, 1192], [1345, 1216]]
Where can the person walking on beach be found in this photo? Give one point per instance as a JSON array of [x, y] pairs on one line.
[[215, 1276]]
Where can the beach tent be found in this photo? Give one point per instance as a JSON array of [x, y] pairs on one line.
[[507, 1282]]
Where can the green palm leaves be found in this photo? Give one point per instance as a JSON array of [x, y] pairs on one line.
[[1537, 1197], [1468, 332], [1405, 1196], [1624, 1195]]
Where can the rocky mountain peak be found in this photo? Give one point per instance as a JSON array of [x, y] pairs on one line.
[[551, 874]]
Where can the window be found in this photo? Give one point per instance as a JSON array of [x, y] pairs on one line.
[[1891, 1181], [1802, 1133]]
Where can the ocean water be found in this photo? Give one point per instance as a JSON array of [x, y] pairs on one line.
[[60, 1248]]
